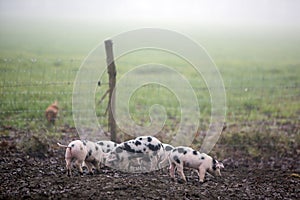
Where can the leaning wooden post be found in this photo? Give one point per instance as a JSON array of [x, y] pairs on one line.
[[111, 70]]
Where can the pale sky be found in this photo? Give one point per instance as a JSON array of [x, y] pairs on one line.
[[262, 12]]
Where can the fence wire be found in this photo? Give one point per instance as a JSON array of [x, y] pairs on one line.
[[29, 86]]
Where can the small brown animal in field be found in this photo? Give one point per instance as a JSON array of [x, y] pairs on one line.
[[52, 112]]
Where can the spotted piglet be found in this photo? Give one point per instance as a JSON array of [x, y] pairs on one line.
[[140, 152], [107, 145], [181, 157], [81, 152]]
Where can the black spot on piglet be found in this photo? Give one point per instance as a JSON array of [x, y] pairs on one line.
[[154, 147], [137, 143], [89, 154], [168, 148], [128, 148], [214, 162], [101, 143], [180, 150], [176, 159]]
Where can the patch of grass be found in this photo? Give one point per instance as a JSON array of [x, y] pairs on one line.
[[260, 141], [37, 68]]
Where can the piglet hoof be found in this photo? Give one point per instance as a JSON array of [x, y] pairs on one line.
[[69, 174]]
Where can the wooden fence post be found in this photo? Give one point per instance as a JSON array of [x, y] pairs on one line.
[[111, 70]]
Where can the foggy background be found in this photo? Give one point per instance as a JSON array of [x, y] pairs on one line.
[[231, 12], [74, 27]]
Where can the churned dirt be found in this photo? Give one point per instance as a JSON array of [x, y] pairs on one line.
[[43, 176]]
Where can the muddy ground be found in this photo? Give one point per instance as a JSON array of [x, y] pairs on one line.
[[42, 176]]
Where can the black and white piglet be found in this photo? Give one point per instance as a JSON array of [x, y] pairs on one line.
[[81, 151], [107, 145], [181, 157], [134, 153]]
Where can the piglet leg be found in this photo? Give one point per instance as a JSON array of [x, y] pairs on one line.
[[78, 164], [201, 174], [180, 169], [172, 170]]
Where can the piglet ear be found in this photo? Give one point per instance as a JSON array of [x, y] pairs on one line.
[[219, 165]]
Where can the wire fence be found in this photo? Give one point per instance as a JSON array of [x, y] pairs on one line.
[[29, 86]]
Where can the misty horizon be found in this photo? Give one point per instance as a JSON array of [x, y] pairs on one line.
[[233, 12]]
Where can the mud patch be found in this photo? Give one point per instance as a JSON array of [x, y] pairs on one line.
[[23, 177], [29, 176]]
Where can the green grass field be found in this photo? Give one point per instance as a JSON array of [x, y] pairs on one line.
[[39, 62]]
